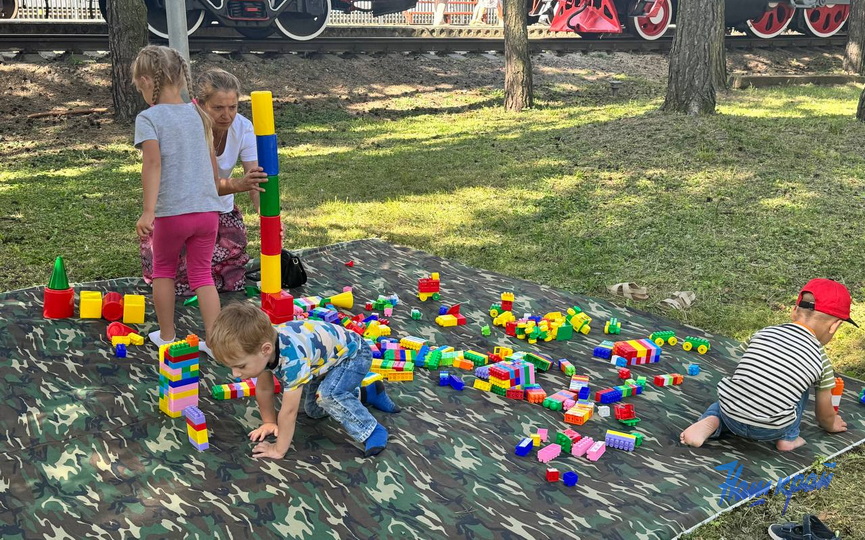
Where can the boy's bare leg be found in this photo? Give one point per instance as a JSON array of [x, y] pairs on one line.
[[698, 432], [786, 446]]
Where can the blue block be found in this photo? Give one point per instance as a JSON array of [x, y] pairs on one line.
[[693, 369], [524, 447], [373, 317], [376, 353], [444, 378], [621, 362], [603, 352], [585, 392], [420, 358], [456, 383], [570, 478], [443, 310], [268, 159], [120, 350]]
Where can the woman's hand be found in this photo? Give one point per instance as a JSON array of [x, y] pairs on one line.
[[267, 428], [251, 180], [267, 450], [144, 226]]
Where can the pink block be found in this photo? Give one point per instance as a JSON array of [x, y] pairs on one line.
[[596, 451], [549, 452], [177, 405], [582, 446], [542, 433], [568, 404]]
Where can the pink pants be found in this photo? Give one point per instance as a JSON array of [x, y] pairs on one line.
[[195, 231]]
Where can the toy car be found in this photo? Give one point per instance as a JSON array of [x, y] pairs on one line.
[[703, 346]]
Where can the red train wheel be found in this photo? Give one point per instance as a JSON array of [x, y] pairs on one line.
[[773, 22], [651, 28], [826, 21]]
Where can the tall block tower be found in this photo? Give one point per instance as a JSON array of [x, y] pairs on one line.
[[278, 304], [178, 376]]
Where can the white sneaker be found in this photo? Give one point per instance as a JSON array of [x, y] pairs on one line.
[[157, 340], [202, 346]]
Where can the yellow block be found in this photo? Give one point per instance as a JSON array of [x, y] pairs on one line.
[[446, 320], [117, 340], [271, 274], [536, 439], [199, 436], [262, 112], [90, 305], [136, 339], [177, 396], [133, 309]]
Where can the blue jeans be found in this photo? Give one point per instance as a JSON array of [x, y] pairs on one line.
[[335, 394], [728, 425]]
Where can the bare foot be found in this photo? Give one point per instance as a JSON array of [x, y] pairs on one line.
[[698, 432], [786, 446]]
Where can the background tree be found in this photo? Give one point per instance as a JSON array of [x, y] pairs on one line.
[[698, 65], [853, 57], [127, 34], [518, 64]]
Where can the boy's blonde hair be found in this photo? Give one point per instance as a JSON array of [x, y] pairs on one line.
[[215, 80], [240, 329], [166, 66]]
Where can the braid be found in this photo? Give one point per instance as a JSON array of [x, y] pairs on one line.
[[158, 73]]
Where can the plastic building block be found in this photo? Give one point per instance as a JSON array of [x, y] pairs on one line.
[[482, 385], [624, 411], [486, 331], [136, 339], [58, 299], [524, 447], [121, 340], [543, 433], [613, 326], [638, 438], [595, 452], [118, 329], [515, 393], [566, 367], [579, 448], [456, 383], [429, 287], [624, 373], [604, 350], [552, 475], [416, 314], [666, 337], [90, 305], [702, 345], [693, 369], [444, 378], [120, 350], [570, 478], [637, 351], [836, 393], [549, 452], [536, 439], [507, 301], [604, 411], [192, 301], [112, 306], [196, 428], [279, 306], [620, 441], [564, 441]]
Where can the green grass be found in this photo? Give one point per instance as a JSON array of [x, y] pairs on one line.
[[584, 191]]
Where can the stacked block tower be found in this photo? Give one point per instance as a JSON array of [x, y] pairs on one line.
[[278, 304], [178, 376], [59, 297]]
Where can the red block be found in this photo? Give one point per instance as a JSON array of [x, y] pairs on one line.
[[552, 475], [278, 306], [58, 304], [112, 306], [514, 393], [271, 235], [624, 373], [511, 328]]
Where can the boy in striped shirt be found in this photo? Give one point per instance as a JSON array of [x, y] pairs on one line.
[[765, 397]]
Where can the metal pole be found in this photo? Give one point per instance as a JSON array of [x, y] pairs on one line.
[[175, 12]]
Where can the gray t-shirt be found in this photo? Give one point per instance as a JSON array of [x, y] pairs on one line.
[[186, 185]]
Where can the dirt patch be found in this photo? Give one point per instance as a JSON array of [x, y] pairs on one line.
[[359, 83]]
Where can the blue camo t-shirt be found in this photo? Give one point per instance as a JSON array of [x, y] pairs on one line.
[[308, 349]]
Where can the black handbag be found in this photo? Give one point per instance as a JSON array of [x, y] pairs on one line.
[[293, 273]]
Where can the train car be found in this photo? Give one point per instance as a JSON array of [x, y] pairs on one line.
[[650, 19], [301, 20]]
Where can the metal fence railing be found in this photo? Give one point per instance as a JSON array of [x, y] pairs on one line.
[[457, 12]]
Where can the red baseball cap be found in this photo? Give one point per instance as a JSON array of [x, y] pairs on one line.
[[830, 297]]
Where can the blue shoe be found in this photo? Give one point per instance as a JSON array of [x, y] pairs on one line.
[[376, 442]]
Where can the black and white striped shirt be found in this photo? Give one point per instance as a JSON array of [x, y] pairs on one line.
[[779, 365]]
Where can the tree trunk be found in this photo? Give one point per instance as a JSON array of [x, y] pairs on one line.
[[697, 61], [127, 34], [860, 111], [853, 55], [518, 64]]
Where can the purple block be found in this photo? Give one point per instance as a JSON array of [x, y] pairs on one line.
[[194, 415]]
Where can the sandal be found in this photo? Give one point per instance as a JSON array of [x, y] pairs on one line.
[[631, 291], [680, 300]]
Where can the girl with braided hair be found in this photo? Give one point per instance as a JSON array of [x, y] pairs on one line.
[[218, 93], [181, 186]]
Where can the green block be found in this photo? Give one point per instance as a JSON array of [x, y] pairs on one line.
[[570, 370], [630, 423], [270, 197], [431, 363], [639, 437], [191, 301], [498, 390]]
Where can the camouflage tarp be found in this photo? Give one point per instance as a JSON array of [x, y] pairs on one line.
[[87, 453]]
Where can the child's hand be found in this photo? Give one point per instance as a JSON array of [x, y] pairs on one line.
[[144, 226], [267, 428], [267, 450], [838, 426]]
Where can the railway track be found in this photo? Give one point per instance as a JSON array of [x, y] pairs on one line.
[[37, 37]]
